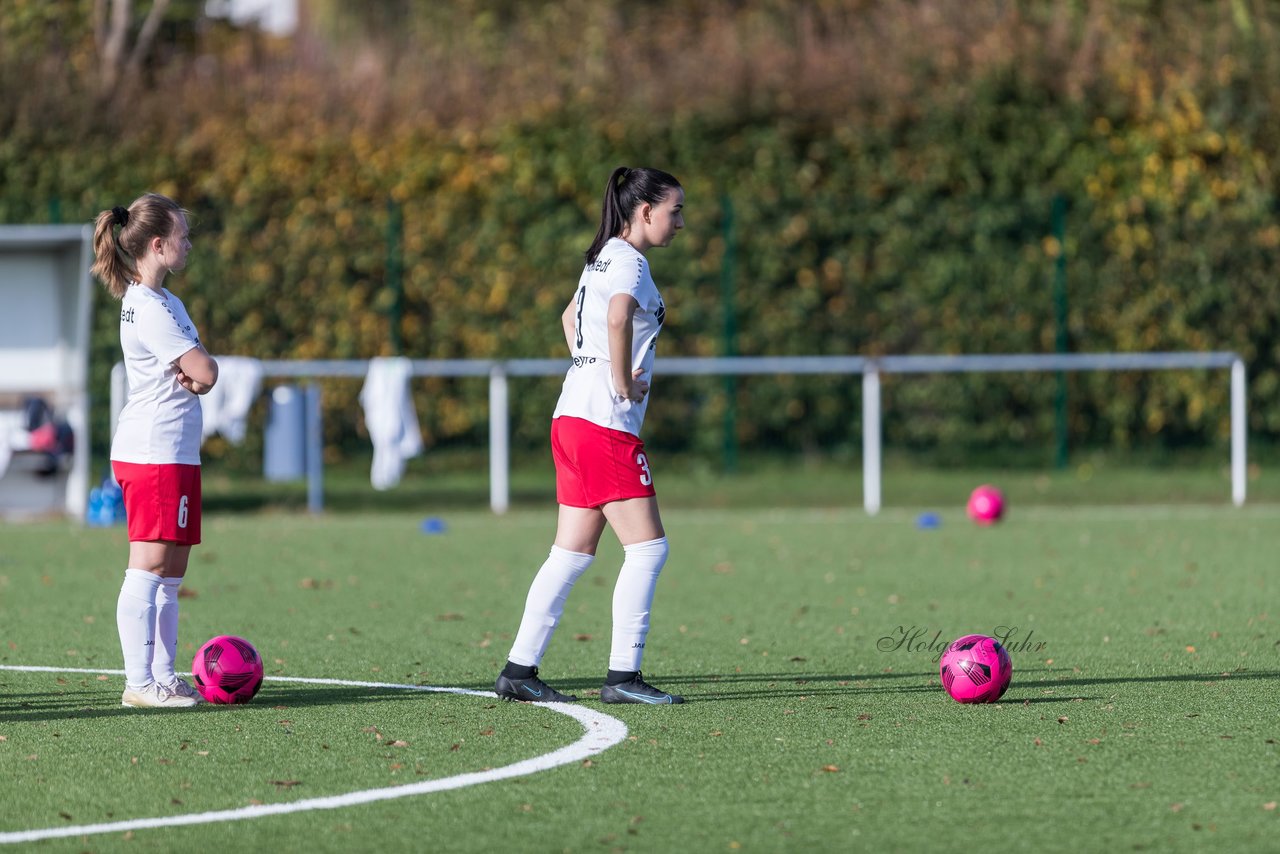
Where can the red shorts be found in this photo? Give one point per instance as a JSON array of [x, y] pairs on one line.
[[596, 465], [161, 502]]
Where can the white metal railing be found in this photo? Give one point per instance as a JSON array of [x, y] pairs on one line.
[[871, 369]]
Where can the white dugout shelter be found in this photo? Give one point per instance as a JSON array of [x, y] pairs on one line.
[[47, 299]]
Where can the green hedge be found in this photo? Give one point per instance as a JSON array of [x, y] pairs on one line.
[[884, 227]]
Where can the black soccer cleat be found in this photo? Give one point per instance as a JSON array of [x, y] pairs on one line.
[[637, 691], [531, 690]]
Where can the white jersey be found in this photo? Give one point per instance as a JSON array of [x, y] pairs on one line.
[[161, 420], [588, 390]]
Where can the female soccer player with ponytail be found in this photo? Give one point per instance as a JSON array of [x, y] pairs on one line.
[[602, 470], [155, 453]]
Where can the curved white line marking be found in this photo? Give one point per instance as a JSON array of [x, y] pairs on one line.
[[602, 732]]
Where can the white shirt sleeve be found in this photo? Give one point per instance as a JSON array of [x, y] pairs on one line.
[[627, 276], [163, 334]]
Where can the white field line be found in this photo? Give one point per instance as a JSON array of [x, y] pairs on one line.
[[602, 732]]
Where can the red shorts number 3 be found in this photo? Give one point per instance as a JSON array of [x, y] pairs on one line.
[[596, 465]]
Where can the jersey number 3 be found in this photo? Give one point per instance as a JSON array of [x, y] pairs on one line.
[[582, 297], [646, 476]]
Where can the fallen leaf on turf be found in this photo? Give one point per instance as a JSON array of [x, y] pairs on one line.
[[487, 731], [399, 743], [864, 716], [175, 802], [587, 763], [716, 732], [1269, 806], [65, 815], [4, 738], [1176, 807], [582, 637], [450, 617], [1140, 786], [1063, 719], [202, 753], [1037, 742], [830, 768]]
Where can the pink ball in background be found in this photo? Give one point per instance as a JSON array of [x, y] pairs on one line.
[[975, 669], [986, 505]]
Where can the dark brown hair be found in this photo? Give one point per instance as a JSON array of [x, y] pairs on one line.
[[627, 190]]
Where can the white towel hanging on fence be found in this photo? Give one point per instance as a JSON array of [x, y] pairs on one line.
[[226, 406], [391, 419]]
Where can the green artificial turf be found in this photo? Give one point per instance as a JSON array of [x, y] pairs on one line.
[[1142, 713]]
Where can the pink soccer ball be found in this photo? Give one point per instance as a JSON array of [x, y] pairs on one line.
[[976, 669], [986, 505], [227, 669]]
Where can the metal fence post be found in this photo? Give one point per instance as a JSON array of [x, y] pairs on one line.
[[499, 441], [871, 440], [1239, 434], [314, 455]]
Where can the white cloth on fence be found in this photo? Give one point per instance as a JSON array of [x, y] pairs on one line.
[[226, 406], [391, 419]]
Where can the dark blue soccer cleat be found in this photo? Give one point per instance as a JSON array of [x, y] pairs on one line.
[[637, 691], [532, 690]]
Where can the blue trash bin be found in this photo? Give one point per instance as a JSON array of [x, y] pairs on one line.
[[284, 446]]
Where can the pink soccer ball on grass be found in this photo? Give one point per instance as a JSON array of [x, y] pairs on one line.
[[986, 505], [227, 669], [975, 669]]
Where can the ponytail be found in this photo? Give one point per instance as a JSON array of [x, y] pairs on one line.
[[115, 253], [627, 190]]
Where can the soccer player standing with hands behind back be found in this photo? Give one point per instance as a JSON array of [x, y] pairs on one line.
[[602, 469], [155, 453]]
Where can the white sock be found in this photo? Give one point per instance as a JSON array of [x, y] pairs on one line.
[[632, 599], [166, 646], [136, 622], [545, 604]]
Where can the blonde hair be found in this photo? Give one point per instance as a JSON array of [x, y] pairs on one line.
[[116, 253]]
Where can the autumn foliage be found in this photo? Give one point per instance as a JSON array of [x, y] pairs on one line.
[[891, 168]]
